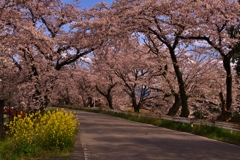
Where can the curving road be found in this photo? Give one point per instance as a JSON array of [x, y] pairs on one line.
[[104, 137]]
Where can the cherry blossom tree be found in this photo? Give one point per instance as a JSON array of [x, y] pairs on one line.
[[44, 36], [65, 90], [151, 50], [126, 59], [196, 68], [85, 86], [210, 23], [162, 78], [172, 22], [104, 79], [154, 20], [8, 74]]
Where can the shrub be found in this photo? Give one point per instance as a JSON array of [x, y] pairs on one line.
[[54, 130]]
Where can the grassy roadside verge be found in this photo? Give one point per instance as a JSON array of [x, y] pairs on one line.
[[211, 132]]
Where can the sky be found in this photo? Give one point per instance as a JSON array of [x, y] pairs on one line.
[[90, 3]]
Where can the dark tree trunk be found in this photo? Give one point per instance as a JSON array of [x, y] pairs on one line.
[[46, 102], [1, 118], [107, 95], [225, 115], [136, 106], [67, 100], [175, 107], [226, 105], [223, 103], [227, 67], [183, 96], [90, 102], [109, 99]]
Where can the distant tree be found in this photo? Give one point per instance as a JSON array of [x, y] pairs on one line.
[[105, 80], [85, 85], [125, 61], [65, 90]]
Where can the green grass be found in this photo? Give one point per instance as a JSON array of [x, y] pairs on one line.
[[211, 132], [7, 152]]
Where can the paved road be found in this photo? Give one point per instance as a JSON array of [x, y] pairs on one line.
[[103, 137]]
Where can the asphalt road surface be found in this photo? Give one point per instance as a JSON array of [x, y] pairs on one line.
[[104, 137]]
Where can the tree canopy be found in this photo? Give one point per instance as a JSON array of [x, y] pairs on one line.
[[176, 57]]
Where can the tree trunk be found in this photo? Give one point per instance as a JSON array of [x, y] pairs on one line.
[[223, 104], [225, 115], [2, 118], [136, 107], [183, 96], [46, 101], [175, 107], [227, 67], [109, 99], [226, 105], [107, 95], [67, 101]]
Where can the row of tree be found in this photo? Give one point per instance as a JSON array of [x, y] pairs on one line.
[[172, 55]]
